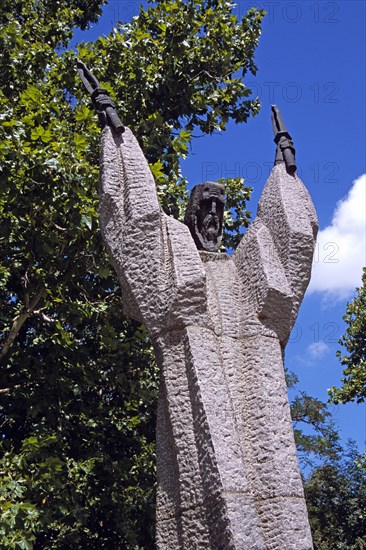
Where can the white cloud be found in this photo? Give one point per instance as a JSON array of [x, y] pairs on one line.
[[318, 349], [341, 247]]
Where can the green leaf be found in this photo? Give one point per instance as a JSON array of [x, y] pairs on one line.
[[87, 221], [79, 141], [46, 136], [24, 544], [157, 169], [82, 113], [37, 132]]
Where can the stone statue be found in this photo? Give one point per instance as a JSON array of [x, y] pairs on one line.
[[228, 474]]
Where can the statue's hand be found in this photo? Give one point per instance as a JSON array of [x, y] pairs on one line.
[[285, 146], [107, 110], [103, 103], [288, 152]]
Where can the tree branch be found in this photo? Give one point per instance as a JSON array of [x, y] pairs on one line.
[[7, 390], [19, 322]]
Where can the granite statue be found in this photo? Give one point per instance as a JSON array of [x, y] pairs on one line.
[[228, 474]]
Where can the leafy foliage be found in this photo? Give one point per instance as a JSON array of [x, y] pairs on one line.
[[354, 340], [316, 437], [173, 71], [336, 499], [78, 381]]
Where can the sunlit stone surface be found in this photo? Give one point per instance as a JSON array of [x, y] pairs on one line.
[[228, 475]]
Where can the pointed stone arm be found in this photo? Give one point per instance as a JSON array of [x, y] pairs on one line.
[[286, 209], [131, 221], [279, 245]]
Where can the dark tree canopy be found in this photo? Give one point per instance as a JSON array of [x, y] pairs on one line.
[[336, 500], [354, 340], [78, 381]]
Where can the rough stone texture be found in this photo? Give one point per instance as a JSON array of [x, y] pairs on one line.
[[228, 475]]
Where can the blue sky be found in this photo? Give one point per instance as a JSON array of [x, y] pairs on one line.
[[311, 62]]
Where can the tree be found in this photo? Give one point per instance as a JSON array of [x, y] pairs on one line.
[[336, 499], [354, 340], [78, 381], [334, 477], [316, 437]]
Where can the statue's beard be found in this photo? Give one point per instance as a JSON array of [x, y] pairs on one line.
[[210, 229]]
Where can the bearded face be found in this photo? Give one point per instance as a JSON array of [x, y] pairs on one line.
[[204, 215], [210, 229]]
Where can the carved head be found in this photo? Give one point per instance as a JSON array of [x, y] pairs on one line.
[[204, 215]]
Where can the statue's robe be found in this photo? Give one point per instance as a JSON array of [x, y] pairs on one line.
[[228, 474]]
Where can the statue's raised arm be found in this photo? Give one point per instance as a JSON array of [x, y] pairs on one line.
[[153, 254], [130, 214], [281, 240]]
